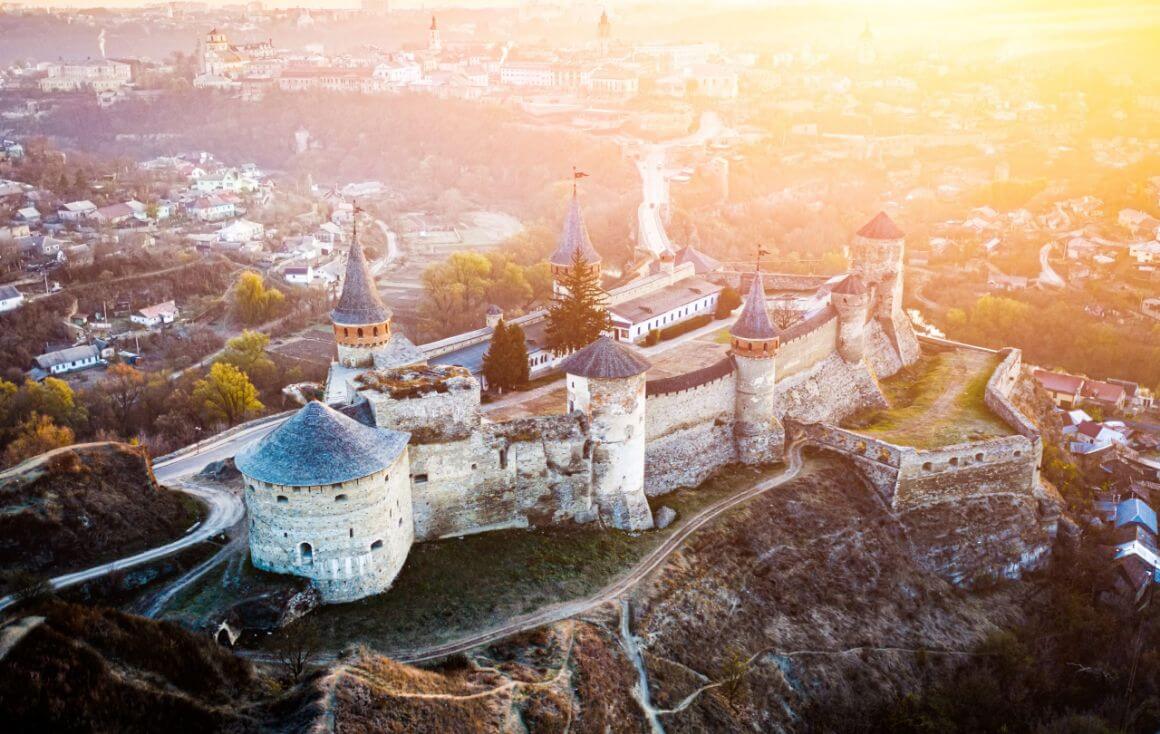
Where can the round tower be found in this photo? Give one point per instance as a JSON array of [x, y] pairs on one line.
[[852, 302], [573, 247], [754, 345], [362, 322], [606, 382], [329, 499]]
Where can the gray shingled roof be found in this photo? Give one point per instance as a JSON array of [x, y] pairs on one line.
[[360, 302], [573, 238], [605, 359], [320, 446], [754, 323]]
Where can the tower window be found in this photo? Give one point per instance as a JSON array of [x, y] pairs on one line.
[[283, 499], [360, 333], [305, 553], [340, 498], [376, 545]]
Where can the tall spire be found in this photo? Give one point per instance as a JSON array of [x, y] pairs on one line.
[[753, 324], [360, 303], [574, 236]]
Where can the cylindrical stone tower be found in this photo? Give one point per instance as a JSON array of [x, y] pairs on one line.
[[852, 302], [362, 322], [606, 381], [759, 434], [329, 499]]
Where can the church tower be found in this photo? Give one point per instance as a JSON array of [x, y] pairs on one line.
[[866, 53], [434, 41], [604, 30], [573, 240], [362, 322], [754, 345]]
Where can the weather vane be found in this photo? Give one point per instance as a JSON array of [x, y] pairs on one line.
[[576, 176]]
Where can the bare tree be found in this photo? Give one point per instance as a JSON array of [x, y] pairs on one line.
[[296, 648]]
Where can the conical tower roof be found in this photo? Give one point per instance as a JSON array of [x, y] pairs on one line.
[[753, 323], [360, 302], [319, 446], [574, 238], [605, 359], [881, 227]]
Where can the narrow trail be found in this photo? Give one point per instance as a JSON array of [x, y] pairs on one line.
[[157, 603], [641, 690]]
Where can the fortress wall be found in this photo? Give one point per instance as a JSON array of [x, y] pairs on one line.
[[531, 471], [688, 456], [997, 466], [689, 434], [878, 461], [828, 392], [799, 353], [673, 411], [359, 532], [881, 354]]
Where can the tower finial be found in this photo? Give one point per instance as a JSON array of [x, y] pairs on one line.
[[576, 176], [760, 251]]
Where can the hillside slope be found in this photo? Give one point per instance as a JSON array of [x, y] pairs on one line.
[[86, 506], [83, 668]]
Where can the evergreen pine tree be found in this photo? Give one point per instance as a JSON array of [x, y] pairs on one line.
[[505, 365], [579, 316]]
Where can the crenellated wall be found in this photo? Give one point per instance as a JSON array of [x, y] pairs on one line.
[[688, 425], [807, 342]]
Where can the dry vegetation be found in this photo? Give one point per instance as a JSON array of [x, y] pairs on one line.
[[937, 401], [86, 506]]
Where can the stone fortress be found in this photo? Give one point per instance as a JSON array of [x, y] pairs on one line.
[[400, 452]]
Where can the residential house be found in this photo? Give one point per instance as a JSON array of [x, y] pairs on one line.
[[1063, 389], [212, 209], [1151, 307], [72, 359], [77, 211], [299, 275], [10, 298], [242, 230], [157, 315], [1106, 394]]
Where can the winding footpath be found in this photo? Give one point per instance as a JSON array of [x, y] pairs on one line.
[[640, 571], [225, 508]]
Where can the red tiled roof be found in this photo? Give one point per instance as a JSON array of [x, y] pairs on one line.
[[1059, 382], [881, 227], [1104, 391]]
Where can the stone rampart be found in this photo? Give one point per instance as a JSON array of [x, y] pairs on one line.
[[807, 342], [532, 471]]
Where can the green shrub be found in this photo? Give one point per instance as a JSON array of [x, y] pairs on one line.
[[684, 327]]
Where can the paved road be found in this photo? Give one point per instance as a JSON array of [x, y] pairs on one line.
[[1047, 274], [638, 573], [225, 508]]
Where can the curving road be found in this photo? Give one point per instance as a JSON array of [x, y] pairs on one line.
[[636, 574], [1047, 274], [225, 508]]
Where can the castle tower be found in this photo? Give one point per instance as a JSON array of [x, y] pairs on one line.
[[604, 31], [876, 255], [573, 239], [606, 381], [362, 322], [329, 499], [852, 302], [434, 41], [754, 344]]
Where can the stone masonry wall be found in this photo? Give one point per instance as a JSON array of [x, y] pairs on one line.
[[359, 532], [532, 471], [690, 435], [799, 354], [830, 391]]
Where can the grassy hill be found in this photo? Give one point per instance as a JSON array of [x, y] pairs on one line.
[[85, 506]]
